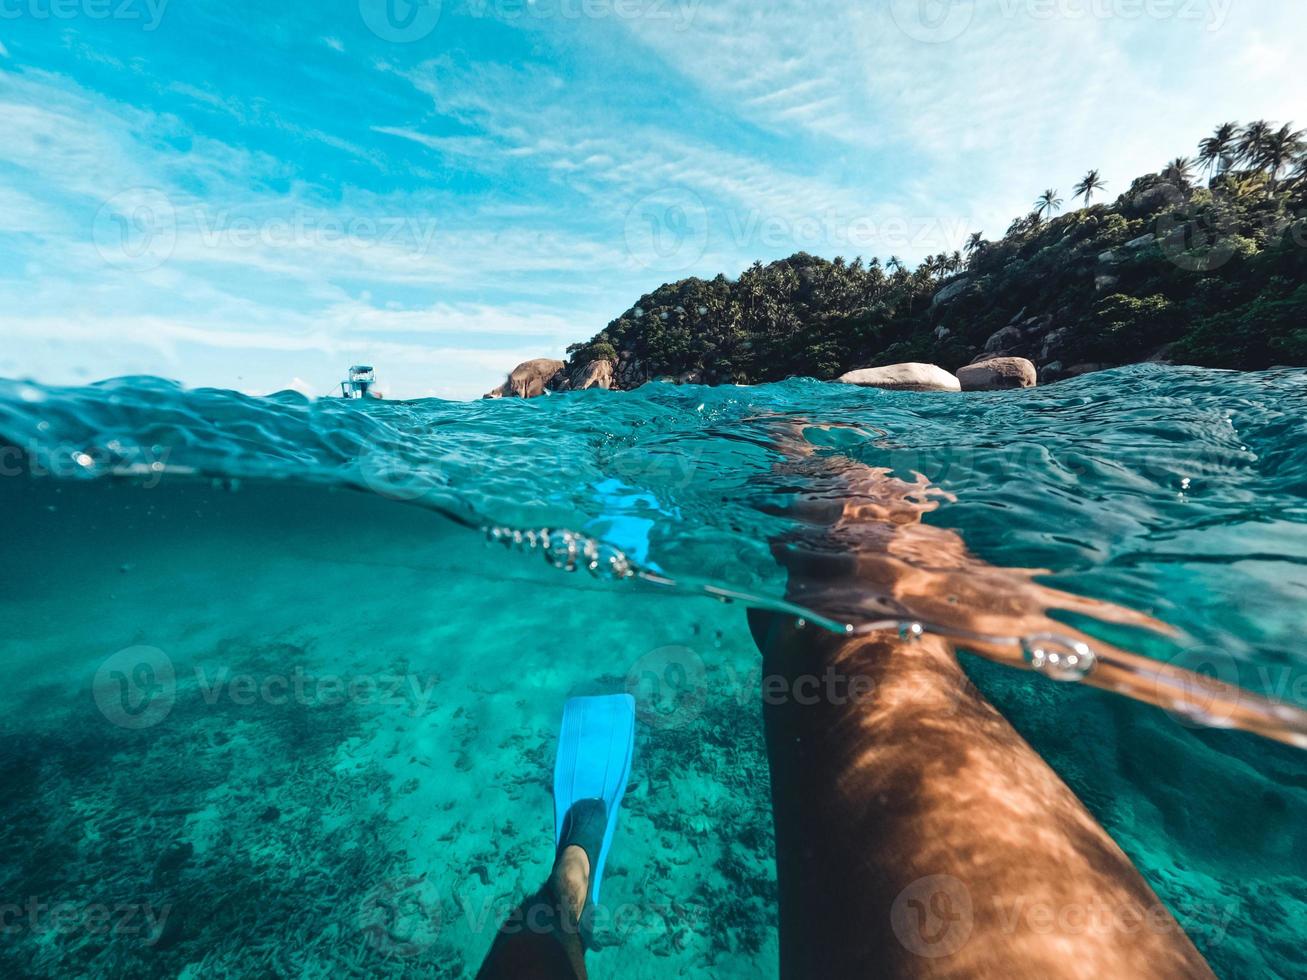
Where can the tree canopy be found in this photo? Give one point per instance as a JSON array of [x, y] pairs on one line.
[[1213, 275]]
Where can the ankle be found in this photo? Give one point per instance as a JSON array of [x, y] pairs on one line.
[[571, 880]]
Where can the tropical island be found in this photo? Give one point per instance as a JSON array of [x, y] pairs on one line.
[[1203, 262]]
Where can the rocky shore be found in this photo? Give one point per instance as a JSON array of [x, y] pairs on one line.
[[990, 373]]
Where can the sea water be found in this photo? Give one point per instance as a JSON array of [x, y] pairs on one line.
[[273, 705]]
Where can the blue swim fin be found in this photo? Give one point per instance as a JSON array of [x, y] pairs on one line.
[[594, 763]]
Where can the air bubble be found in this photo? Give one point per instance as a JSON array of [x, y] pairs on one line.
[[911, 631], [1058, 657]]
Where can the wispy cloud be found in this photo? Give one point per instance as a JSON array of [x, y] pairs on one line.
[[340, 196]]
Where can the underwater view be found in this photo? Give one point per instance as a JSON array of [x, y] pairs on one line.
[[552, 489], [284, 676]]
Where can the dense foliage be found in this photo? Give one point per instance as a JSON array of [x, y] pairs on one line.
[[1210, 272]]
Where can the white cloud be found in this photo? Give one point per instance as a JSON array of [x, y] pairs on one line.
[[977, 124], [515, 193]]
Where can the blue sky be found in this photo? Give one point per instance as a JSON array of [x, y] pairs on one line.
[[255, 196]]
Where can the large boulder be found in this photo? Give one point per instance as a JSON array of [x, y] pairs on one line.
[[910, 376], [951, 291], [1113, 255], [996, 373], [631, 372], [1052, 371], [596, 374], [528, 379], [1054, 342], [1003, 340]]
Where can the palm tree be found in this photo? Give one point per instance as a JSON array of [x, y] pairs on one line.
[[1251, 147], [1179, 172], [975, 243], [1218, 151], [1023, 224], [1282, 148], [1300, 172], [894, 263], [955, 261], [1091, 182], [1047, 203]]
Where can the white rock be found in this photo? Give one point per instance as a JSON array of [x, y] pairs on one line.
[[910, 376]]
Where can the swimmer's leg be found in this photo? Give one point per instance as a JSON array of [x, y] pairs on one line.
[[541, 939], [918, 835]]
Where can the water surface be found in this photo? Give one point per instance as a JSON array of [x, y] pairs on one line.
[[275, 707]]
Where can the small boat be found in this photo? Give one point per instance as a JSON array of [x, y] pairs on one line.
[[360, 382]]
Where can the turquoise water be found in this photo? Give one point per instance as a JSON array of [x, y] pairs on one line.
[[274, 706]]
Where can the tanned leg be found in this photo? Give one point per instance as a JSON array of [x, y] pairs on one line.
[[541, 939], [917, 834]]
